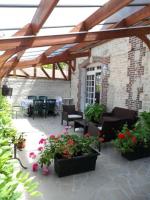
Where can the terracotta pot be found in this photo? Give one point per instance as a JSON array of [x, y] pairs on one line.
[[21, 145]]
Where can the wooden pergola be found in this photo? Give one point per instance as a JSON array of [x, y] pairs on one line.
[[77, 43]]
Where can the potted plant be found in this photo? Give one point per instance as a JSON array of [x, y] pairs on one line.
[[135, 143], [93, 112], [20, 141], [71, 153]]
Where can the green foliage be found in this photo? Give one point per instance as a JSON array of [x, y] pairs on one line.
[[67, 146], [48, 66], [10, 180], [128, 140], [93, 112]]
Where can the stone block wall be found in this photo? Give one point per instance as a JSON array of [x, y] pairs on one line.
[[25, 87]]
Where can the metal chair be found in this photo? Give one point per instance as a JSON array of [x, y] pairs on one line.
[[50, 106], [38, 108], [43, 98], [32, 97]]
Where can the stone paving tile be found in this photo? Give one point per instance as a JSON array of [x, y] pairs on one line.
[[114, 178]]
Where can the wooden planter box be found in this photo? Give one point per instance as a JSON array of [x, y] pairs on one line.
[[137, 154], [79, 164]]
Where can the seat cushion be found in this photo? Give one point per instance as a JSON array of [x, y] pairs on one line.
[[74, 116]]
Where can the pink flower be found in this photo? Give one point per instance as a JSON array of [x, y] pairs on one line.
[[52, 136], [64, 131], [42, 141], [35, 167], [40, 148], [32, 155], [45, 171]]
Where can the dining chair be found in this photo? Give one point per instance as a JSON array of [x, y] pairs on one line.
[[32, 97]]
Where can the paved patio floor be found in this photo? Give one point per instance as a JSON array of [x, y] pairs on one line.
[[114, 178]]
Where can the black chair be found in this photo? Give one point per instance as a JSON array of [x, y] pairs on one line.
[[70, 114], [50, 106], [43, 98], [38, 108], [32, 97]]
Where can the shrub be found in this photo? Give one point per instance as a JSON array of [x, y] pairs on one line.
[[93, 112]]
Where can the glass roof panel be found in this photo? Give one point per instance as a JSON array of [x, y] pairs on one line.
[[15, 17], [53, 31], [140, 1], [123, 13], [83, 2], [68, 16], [35, 2]]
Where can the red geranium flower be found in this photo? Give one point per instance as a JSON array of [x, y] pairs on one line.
[[121, 136], [134, 140], [128, 133], [70, 142]]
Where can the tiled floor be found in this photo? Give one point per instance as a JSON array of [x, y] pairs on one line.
[[114, 178]]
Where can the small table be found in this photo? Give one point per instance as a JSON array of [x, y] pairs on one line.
[[81, 123]]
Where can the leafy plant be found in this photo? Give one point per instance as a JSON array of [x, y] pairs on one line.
[[10, 179], [93, 112], [128, 140], [66, 146]]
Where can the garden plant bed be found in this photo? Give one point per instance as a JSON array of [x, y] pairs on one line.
[[75, 165]]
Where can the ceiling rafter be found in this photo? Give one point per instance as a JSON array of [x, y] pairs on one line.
[[39, 41], [62, 72], [44, 71], [128, 21], [101, 14], [43, 11]]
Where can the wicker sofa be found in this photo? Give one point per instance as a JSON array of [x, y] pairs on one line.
[[112, 122]]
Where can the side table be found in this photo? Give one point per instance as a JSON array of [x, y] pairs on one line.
[[81, 123]]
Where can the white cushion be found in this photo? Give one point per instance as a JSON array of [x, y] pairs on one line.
[[99, 128], [74, 116]]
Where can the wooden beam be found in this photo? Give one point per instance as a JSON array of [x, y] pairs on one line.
[[145, 39], [101, 14], [107, 10], [38, 41], [71, 66], [58, 65], [43, 11], [129, 21], [60, 58], [69, 72], [43, 70], [53, 72], [25, 73], [32, 77], [34, 71]]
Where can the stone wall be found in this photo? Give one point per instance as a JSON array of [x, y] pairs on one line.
[[24, 87], [127, 82]]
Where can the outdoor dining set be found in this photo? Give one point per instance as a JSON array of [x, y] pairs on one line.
[[40, 106]]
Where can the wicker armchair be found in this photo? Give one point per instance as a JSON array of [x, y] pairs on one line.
[[70, 114]]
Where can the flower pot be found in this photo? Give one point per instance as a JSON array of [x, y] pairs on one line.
[[140, 152], [21, 145], [79, 164]]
